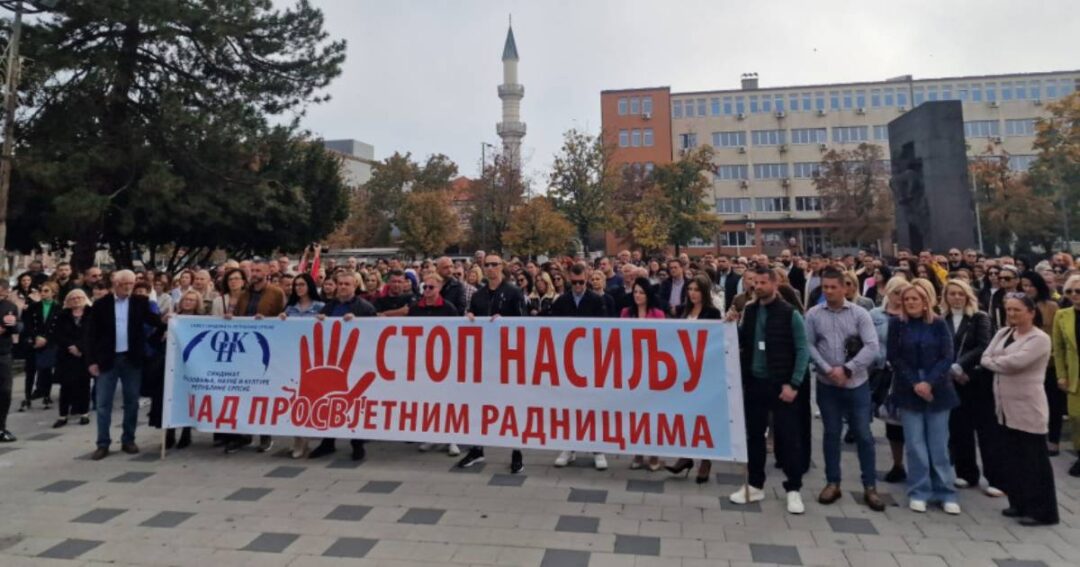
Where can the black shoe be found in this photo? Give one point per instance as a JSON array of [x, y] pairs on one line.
[[1033, 522], [896, 474], [1074, 470], [25, 405], [681, 468], [170, 439], [59, 423], [84, 420], [516, 463], [849, 437], [233, 447], [475, 455], [7, 437], [322, 450], [1012, 513], [185, 438], [358, 452], [219, 440], [46, 403], [99, 453]]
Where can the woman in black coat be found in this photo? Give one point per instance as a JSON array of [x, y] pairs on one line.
[[698, 306], [40, 325], [71, 370]]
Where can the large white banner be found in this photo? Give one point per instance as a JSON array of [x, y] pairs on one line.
[[665, 388]]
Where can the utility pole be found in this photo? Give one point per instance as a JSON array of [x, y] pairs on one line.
[[11, 82]]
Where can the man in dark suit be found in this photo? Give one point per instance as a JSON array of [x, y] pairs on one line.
[[727, 279], [578, 301], [116, 349], [673, 289]]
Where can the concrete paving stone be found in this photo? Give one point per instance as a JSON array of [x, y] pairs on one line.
[[587, 495], [97, 516], [422, 516], [565, 558], [507, 480], [727, 505], [637, 545], [147, 457], [659, 528], [1031, 552], [578, 524], [476, 554], [168, 519], [1019, 563], [475, 469], [852, 526], [43, 437], [348, 513], [893, 544], [777, 554], [286, 472], [62, 486], [909, 560], [651, 486], [271, 542], [886, 497], [248, 494], [981, 549], [354, 547], [671, 547], [833, 540], [822, 557], [7, 541], [860, 558], [344, 464], [69, 549], [730, 479], [132, 477]]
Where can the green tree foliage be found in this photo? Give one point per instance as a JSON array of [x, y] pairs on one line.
[[1056, 171], [581, 183], [538, 228], [1013, 216], [855, 195], [494, 197], [398, 175], [146, 124], [428, 225], [684, 185]]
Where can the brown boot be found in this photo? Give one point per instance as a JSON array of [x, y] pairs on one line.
[[99, 453], [129, 448], [873, 500], [830, 494]]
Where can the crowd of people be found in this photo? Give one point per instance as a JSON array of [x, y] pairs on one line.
[[971, 362]]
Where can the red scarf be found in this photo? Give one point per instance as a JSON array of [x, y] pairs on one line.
[[438, 302]]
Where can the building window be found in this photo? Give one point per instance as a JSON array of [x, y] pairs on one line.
[[622, 107], [734, 239], [732, 172], [807, 102], [809, 135], [793, 103], [701, 108], [733, 206], [770, 170], [1051, 90], [715, 104], [991, 92], [981, 128], [687, 141], [962, 93], [848, 104], [1023, 127], [850, 134], [807, 204], [901, 98], [946, 92], [766, 104], [881, 132], [728, 109], [932, 93], [919, 96], [768, 137], [635, 105], [860, 99], [676, 109], [647, 137], [1034, 89], [875, 98], [740, 105], [834, 100], [753, 104], [688, 108], [888, 96], [646, 105], [772, 204], [728, 139], [635, 138], [624, 139], [976, 92], [807, 169], [1021, 162]]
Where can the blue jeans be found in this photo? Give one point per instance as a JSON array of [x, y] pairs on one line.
[[853, 405], [130, 378], [930, 472]]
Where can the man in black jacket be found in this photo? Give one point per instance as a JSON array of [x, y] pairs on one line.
[[673, 290], [727, 279], [452, 290], [346, 305], [496, 299], [116, 350], [9, 325]]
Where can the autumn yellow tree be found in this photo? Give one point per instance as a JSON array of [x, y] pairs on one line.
[[1056, 171], [537, 228], [646, 221], [427, 223], [1013, 216], [855, 196]]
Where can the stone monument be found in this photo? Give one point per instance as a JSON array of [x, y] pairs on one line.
[[930, 184]]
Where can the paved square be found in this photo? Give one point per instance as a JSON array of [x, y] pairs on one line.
[[401, 507]]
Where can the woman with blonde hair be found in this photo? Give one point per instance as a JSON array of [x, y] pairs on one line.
[[920, 352], [1066, 333], [190, 303], [71, 367], [931, 293], [543, 295], [851, 291], [974, 417]]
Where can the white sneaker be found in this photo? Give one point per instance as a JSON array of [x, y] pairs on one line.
[[453, 450], [795, 503], [993, 492], [600, 462], [917, 506], [952, 508], [424, 447], [565, 458], [740, 495], [961, 483]]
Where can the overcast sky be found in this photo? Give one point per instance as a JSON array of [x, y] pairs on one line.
[[421, 76]]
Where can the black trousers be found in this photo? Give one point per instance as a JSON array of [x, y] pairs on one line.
[[1029, 475], [332, 442], [806, 420], [1058, 405], [6, 380], [894, 433], [761, 397], [74, 387], [974, 419]]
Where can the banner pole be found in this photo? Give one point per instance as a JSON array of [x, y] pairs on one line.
[[163, 434], [746, 482]]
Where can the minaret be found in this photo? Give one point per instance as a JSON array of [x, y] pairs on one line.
[[511, 129]]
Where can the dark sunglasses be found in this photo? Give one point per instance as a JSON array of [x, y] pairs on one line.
[[492, 264], [1072, 291], [1006, 278], [430, 287], [577, 282]]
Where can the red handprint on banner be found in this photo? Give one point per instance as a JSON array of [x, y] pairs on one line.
[[326, 377]]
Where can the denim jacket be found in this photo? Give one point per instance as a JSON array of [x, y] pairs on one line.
[[921, 352]]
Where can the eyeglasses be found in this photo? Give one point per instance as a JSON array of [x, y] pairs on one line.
[[430, 287], [577, 282], [492, 264], [1072, 291]]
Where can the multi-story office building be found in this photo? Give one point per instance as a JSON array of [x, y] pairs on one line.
[[769, 142]]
